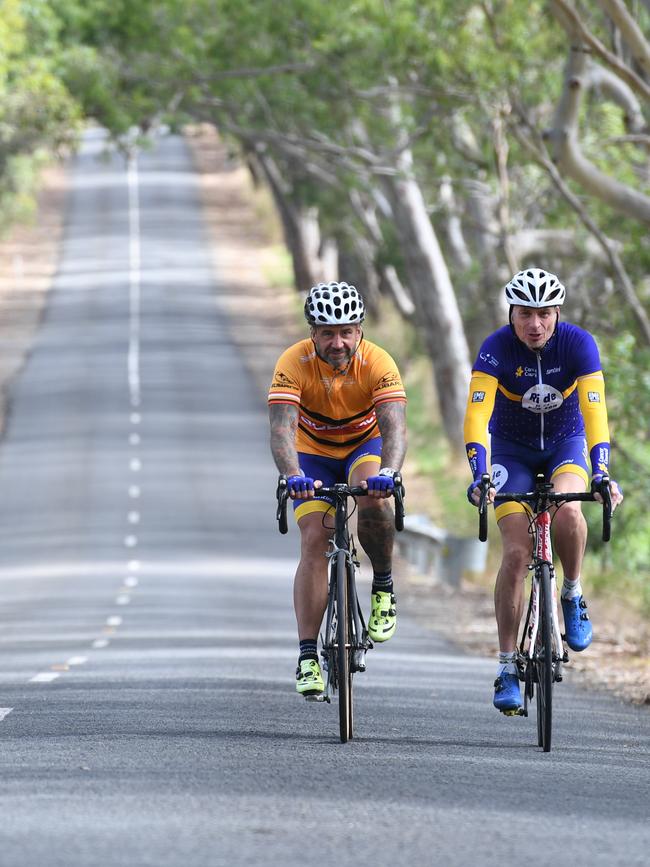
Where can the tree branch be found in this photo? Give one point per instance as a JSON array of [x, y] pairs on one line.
[[535, 146], [619, 92], [630, 30], [569, 156], [572, 23]]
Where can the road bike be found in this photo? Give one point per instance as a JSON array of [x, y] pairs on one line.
[[346, 640], [541, 652]]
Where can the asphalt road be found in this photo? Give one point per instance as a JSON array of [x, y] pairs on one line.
[[147, 643]]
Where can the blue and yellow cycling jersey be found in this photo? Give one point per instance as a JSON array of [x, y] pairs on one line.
[[538, 399]]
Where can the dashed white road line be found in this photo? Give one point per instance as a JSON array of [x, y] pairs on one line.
[[114, 620], [122, 599], [131, 541], [130, 581], [98, 643], [4, 712], [44, 676], [133, 517], [76, 660], [135, 465], [134, 282]]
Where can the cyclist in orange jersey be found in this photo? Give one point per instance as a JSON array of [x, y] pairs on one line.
[[338, 414]]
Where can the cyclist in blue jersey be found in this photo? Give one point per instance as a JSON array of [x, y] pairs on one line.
[[537, 387]]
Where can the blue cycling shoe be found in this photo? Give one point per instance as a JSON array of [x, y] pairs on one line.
[[507, 697], [577, 625]]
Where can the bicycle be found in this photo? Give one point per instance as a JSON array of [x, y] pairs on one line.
[[346, 641], [541, 652]]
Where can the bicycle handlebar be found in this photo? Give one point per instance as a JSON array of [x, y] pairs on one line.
[[339, 490], [542, 498]]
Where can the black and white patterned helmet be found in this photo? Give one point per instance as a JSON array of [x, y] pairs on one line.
[[334, 304], [535, 288]]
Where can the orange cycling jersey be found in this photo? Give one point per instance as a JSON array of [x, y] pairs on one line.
[[336, 408]]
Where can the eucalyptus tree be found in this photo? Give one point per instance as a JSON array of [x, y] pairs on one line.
[[38, 116]]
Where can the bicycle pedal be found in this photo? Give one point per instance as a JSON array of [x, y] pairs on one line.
[[359, 660], [317, 697], [518, 711]]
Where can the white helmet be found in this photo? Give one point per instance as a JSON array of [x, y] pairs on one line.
[[535, 288], [334, 304]]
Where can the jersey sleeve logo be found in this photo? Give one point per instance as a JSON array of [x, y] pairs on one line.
[[389, 380], [593, 396], [282, 380], [478, 397], [489, 358]]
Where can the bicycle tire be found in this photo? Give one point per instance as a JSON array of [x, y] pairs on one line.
[[343, 650], [544, 661]]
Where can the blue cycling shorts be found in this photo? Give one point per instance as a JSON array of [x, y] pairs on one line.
[[514, 466], [333, 470]]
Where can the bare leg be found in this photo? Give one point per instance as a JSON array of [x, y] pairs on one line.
[[375, 524], [570, 527], [376, 531], [310, 582], [509, 588]]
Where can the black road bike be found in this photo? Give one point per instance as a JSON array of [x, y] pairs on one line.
[[541, 652], [345, 641]]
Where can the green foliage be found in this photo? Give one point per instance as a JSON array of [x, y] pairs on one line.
[[627, 558], [38, 116]]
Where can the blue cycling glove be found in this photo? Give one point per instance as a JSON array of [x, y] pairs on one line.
[[299, 484], [475, 484], [383, 482], [597, 480]]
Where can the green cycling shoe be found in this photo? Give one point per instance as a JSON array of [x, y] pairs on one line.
[[309, 680], [383, 616]]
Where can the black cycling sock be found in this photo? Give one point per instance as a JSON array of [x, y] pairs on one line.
[[382, 582], [308, 649]]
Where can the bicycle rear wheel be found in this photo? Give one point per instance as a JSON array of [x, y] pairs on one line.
[[544, 660], [343, 648]]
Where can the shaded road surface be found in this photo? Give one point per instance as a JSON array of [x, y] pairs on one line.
[[146, 633]]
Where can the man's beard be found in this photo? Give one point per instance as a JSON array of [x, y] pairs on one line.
[[341, 361]]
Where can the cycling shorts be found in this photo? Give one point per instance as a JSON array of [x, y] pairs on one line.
[[514, 467], [333, 470]]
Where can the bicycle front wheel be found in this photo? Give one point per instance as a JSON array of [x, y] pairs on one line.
[[343, 649], [544, 660]]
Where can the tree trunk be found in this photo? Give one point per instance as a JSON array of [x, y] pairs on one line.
[[300, 227], [438, 316]]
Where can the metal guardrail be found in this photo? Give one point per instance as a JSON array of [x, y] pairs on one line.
[[437, 553]]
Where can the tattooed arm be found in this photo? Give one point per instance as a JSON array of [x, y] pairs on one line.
[[391, 417], [284, 424]]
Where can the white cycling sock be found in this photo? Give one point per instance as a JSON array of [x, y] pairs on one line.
[[571, 589], [507, 662]]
